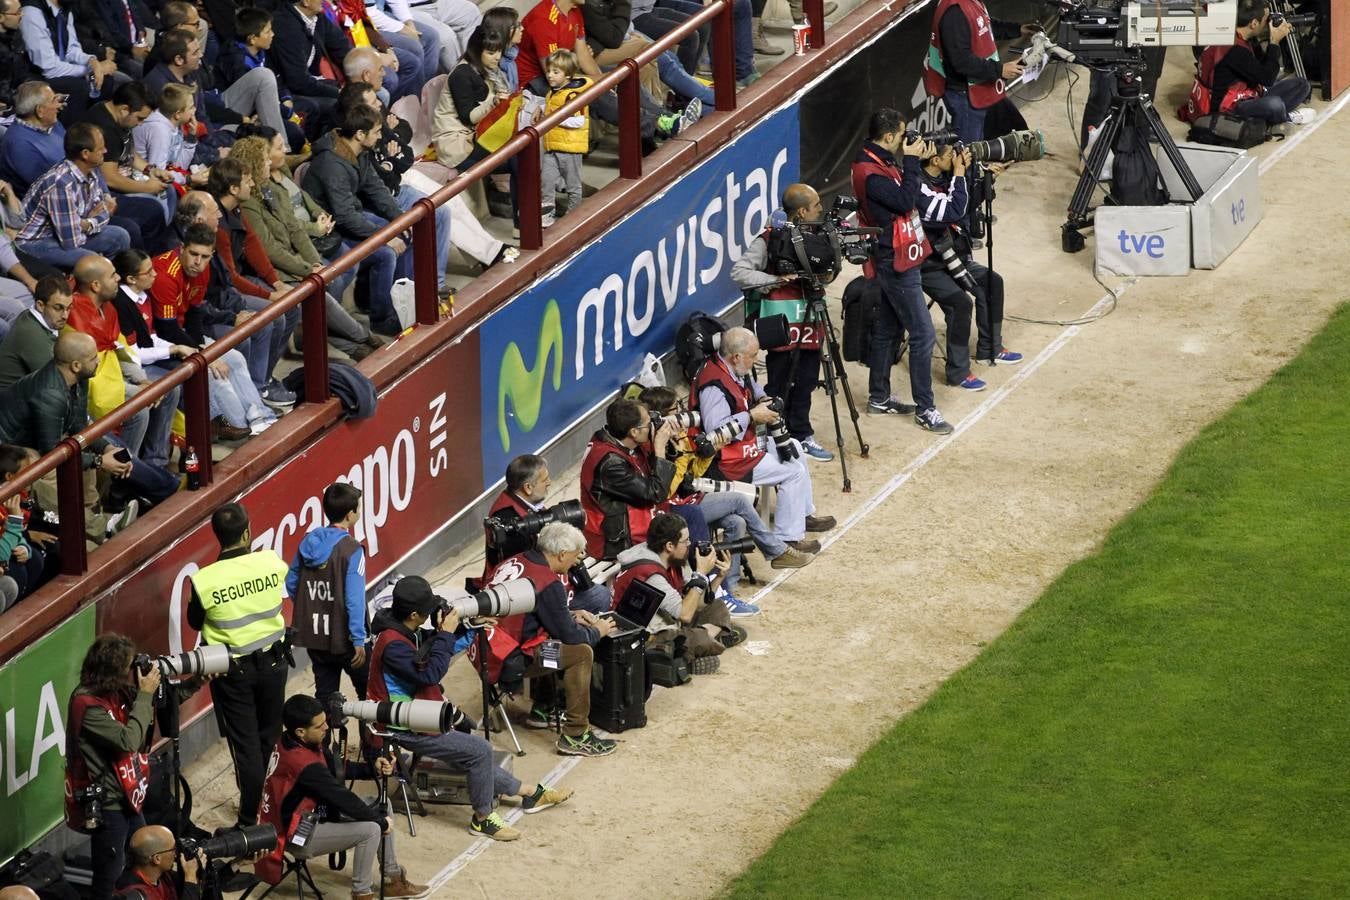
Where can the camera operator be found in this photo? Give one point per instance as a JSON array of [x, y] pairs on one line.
[[327, 587], [755, 273], [621, 484], [527, 484], [1244, 79], [557, 550], [723, 390], [244, 590], [303, 791], [688, 607], [945, 195], [154, 852], [107, 772], [408, 663], [889, 201]]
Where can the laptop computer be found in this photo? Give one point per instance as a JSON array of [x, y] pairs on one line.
[[637, 606]]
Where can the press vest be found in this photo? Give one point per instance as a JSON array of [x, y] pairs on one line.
[[638, 518], [320, 600], [133, 769], [641, 571], [505, 500], [1202, 101], [739, 458], [283, 771], [982, 94], [908, 241], [242, 598], [543, 578]]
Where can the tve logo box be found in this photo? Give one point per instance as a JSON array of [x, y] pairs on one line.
[[1143, 240]]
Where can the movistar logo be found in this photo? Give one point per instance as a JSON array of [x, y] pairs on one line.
[[524, 387]]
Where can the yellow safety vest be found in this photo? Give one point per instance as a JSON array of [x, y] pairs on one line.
[[242, 599]]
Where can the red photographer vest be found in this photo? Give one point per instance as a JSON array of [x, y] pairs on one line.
[[907, 236], [639, 519], [283, 770], [509, 632], [133, 769], [982, 94], [377, 688], [1201, 100], [641, 571], [739, 458], [505, 500]]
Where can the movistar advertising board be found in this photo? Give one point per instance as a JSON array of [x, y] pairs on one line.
[[566, 343]]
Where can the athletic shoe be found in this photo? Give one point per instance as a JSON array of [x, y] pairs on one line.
[[668, 125], [891, 406], [791, 558], [804, 546], [971, 383], [128, 515], [815, 451], [738, 608], [705, 665], [494, 826], [260, 426], [820, 523], [1004, 357], [693, 111], [396, 884], [931, 420], [1303, 115], [276, 396], [547, 219], [544, 797], [538, 718], [748, 80], [586, 745], [731, 636]]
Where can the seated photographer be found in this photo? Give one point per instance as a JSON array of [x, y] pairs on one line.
[[558, 548], [154, 853], [688, 608], [622, 485], [107, 771], [301, 777], [527, 484], [722, 391], [756, 273], [408, 663], [1243, 79], [731, 511], [942, 207]]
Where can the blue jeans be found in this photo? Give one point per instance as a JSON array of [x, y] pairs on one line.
[[152, 482], [410, 77], [108, 849], [235, 397], [668, 15], [597, 599], [406, 198], [155, 450], [967, 121], [904, 306], [472, 754], [735, 513], [743, 30], [107, 242], [682, 83], [1273, 106]]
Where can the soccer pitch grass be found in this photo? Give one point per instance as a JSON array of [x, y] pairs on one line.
[[1171, 718]]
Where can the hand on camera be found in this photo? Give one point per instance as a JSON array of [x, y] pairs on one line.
[[192, 865], [450, 621], [762, 414], [917, 148], [384, 766], [148, 682], [1280, 32], [704, 562]]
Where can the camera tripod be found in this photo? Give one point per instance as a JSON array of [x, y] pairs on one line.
[[1129, 109], [831, 359]]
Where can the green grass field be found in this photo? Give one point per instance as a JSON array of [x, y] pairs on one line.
[[1172, 717]]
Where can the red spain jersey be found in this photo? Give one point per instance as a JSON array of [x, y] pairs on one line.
[[173, 293], [546, 29]]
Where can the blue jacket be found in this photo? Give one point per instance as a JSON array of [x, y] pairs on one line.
[[315, 548]]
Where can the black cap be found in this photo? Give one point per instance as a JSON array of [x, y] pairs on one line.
[[413, 594]]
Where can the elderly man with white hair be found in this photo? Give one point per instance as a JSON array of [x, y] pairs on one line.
[[723, 390]]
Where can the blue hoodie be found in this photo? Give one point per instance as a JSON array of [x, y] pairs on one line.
[[315, 549]]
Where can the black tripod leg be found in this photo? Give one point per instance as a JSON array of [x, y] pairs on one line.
[[831, 345], [827, 361], [1159, 132], [1071, 240]]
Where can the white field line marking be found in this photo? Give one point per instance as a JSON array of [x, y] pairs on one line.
[[1000, 394]]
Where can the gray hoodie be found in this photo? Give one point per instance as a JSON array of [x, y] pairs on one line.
[[668, 614]]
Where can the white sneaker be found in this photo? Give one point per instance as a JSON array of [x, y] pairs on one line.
[[1303, 115]]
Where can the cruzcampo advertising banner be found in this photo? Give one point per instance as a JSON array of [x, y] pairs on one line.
[[34, 688], [565, 344]]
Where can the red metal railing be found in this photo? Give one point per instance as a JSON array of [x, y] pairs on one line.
[[309, 294]]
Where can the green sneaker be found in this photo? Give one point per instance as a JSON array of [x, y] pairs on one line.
[[668, 126], [585, 745], [494, 826], [538, 718]]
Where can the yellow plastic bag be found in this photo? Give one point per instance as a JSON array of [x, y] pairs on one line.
[[107, 389]]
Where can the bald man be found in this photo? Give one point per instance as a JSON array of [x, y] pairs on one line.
[[18, 892], [153, 854], [45, 407], [756, 274]]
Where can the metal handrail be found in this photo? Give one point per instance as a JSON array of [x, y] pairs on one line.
[[309, 294]]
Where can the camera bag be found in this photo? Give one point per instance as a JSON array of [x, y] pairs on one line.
[[667, 670], [619, 681], [861, 302], [694, 342], [40, 871], [1228, 131]]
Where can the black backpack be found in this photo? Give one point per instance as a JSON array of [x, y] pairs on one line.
[[862, 299], [1228, 131], [696, 341], [1135, 178]]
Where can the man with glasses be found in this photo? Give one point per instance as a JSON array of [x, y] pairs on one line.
[[154, 853], [36, 140]]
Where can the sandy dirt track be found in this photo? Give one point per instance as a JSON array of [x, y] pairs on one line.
[[1031, 482]]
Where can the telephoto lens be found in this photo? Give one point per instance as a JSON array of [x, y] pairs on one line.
[[688, 419], [208, 659], [430, 716], [1016, 146], [506, 599], [235, 843]]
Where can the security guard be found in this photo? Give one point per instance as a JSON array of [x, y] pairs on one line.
[[236, 602]]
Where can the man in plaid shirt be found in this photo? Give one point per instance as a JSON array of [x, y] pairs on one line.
[[66, 211]]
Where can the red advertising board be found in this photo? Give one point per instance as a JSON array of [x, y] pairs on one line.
[[416, 461]]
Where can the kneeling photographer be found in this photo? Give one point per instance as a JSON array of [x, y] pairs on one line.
[[688, 608], [408, 663], [155, 853], [950, 274], [769, 293], [514, 520], [303, 798]]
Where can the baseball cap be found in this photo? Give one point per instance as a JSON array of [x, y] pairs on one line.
[[413, 594]]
